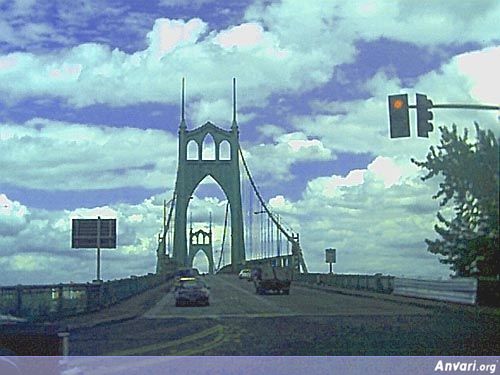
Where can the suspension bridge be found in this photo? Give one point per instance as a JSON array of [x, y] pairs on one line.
[[325, 314], [251, 232]]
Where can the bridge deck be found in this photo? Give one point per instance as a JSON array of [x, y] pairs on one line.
[[307, 322]]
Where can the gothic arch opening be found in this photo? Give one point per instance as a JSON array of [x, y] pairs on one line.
[[224, 150], [192, 150], [200, 261], [207, 210], [208, 151]]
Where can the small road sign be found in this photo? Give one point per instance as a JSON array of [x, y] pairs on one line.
[[330, 255]]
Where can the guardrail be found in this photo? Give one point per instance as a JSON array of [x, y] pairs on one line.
[[377, 283], [52, 302], [461, 290]]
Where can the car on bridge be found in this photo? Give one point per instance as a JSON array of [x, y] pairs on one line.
[[245, 273], [192, 292], [180, 280], [187, 272]]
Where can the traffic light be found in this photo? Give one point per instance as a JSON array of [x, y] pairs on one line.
[[399, 118], [424, 116]]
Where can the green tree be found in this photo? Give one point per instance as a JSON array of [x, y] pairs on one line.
[[469, 241]]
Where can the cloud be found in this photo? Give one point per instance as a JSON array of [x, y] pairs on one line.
[[377, 218], [288, 149], [417, 23], [35, 245], [13, 216], [243, 36], [170, 34], [53, 155], [359, 126], [40, 251], [94, 73], [287, 47]]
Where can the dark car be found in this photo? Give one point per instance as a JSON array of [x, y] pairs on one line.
[[187, 272], [192, 292]]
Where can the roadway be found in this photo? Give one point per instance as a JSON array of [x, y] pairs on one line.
[[235, 298], [306, 322]]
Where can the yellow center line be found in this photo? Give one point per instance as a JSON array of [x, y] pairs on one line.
[[219, 339], [159, 346]]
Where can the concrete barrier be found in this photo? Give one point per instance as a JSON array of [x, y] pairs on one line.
[[461, 290], [52, 302], [377, 283]]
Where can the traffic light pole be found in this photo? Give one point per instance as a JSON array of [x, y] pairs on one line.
[[399, 122], [461, 106]]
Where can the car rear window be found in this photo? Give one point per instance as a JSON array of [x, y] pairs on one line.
[[192, 284]]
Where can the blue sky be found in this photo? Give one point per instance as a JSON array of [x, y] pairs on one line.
[[89, 113]]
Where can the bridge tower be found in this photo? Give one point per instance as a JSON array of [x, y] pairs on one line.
[[224, 169]]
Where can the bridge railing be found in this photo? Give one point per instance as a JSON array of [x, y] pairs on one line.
[[52, 302], [459, 290], [377, 282]]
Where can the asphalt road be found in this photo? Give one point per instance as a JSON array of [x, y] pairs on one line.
[[306, 322], [235, 298]]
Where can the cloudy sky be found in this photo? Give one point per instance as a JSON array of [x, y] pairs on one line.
[[89, 113]]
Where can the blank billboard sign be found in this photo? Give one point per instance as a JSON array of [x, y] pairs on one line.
[[93, 233]]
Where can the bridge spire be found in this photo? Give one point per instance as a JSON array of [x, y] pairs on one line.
[[182, 125], [234, 124]]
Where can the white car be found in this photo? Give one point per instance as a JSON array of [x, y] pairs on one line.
[[245, 274]]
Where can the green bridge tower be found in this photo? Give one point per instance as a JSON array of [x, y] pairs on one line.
[[223, 168]]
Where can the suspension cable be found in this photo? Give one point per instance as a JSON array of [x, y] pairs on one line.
[[223, 235], [290, 237], [166, 227]]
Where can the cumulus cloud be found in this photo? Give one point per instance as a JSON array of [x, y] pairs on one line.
[[363, 125], [377, 218], [94, 73], [288, 46], [41, 250], [288, 148], [170, 34], [401, 20], [245, 35], [13, 216], [35, 244], [54, 155]]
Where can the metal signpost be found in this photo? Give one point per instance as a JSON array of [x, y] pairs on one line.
[[94, 233], [330, 255]]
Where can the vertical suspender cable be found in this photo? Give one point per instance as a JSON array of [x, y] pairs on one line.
[[250, 221], [223, 236], [262, 243], [271, 232]]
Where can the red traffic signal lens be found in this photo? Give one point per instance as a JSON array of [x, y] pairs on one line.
[[398, 104]]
